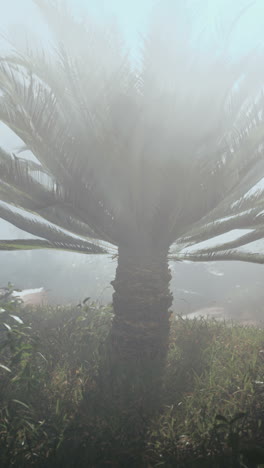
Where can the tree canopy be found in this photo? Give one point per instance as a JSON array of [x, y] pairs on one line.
[[144, 157]]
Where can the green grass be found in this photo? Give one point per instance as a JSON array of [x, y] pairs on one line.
[[53, 394], [214, 375]]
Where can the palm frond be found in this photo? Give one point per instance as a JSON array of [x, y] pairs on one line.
[[32, 244], [38, 227], [53, 141], [25, 184], [248, 219], [222, 256], [245, 239]]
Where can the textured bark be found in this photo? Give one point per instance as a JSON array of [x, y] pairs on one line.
[[141, 304], [139, 337]]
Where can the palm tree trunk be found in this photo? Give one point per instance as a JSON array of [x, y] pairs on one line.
[[140, 330], [141, 303]]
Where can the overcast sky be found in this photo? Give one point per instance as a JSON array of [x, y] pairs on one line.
[[133, 16]]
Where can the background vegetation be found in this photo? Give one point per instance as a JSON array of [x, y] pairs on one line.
[[55, 403]]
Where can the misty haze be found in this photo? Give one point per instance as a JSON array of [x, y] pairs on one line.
[[131, 233]]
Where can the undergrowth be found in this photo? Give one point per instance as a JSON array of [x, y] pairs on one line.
[[54, 405]]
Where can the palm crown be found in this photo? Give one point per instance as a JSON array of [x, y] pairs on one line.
[[138, 158]]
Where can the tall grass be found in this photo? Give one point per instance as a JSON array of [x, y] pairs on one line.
[[55, 408]]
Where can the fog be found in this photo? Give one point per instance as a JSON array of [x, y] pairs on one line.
[[69, 277], [131, 204]]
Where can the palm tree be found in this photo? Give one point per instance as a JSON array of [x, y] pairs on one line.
[[138, 162]]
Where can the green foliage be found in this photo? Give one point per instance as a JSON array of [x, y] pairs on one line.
[[56, 406], [48, 357], [213, 398]]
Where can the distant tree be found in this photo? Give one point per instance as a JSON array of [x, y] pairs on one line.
[[134, 161]]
